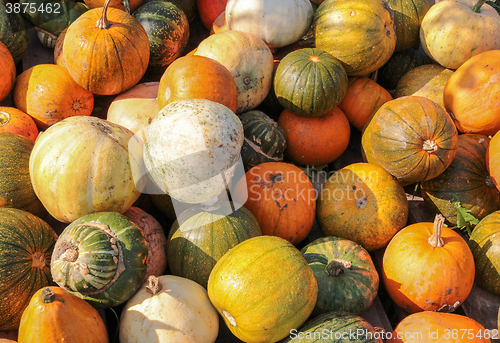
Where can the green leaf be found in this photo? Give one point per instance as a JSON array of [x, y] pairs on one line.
[[465, 220], [495, 5]]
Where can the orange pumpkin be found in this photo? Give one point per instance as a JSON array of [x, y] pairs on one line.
[[315, 141], [55, 315], [439, 327], [363, 98], [16, 121], [197, 77], [8, 74], [282, 199], [428, 267], [120, 4], [135, 108], [49, 94], [472, 94], [106, 50]]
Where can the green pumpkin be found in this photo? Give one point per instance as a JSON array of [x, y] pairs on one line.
[[399, 64], [52, 16], [264, 141], [16, 190], [168, 31], [101, 258], [347, 278], [408, 15], [205, 235], [335, 327], [484, 242], [13, 32], [466, 180], [310, 82], [26, 244]]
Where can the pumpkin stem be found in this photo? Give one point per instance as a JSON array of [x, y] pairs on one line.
[[126, 5], [70, 255], [211, 205], [435, 239], [337, 266], [4, 118], [488, 180], [333, 268], [48, 295], [430, 146], [477, 7], [103, 22], [153, 286], [38, 260]]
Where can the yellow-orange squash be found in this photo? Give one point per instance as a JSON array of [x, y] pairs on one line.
[[55, 315], [428, 267], [106, 50], [48, 93], [363, 203]]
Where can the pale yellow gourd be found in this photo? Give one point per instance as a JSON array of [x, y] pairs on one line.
[[169, 309], [135, 108], [278, 23], [452, 32], [81, 165], [249, 60]]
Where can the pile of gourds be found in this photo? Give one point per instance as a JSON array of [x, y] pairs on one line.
[[227, 141]]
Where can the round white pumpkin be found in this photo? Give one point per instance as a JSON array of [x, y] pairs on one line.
[[277, 23], [192, 149], [249, 60], [179, 311], [81, 165]]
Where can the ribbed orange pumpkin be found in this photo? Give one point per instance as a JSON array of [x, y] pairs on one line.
[[428, 267], [282, 199], [16, 121], [8, 75], [48, 93], [411, 137], [197, 77], [106, 50], [315, 141], [363, 98]]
